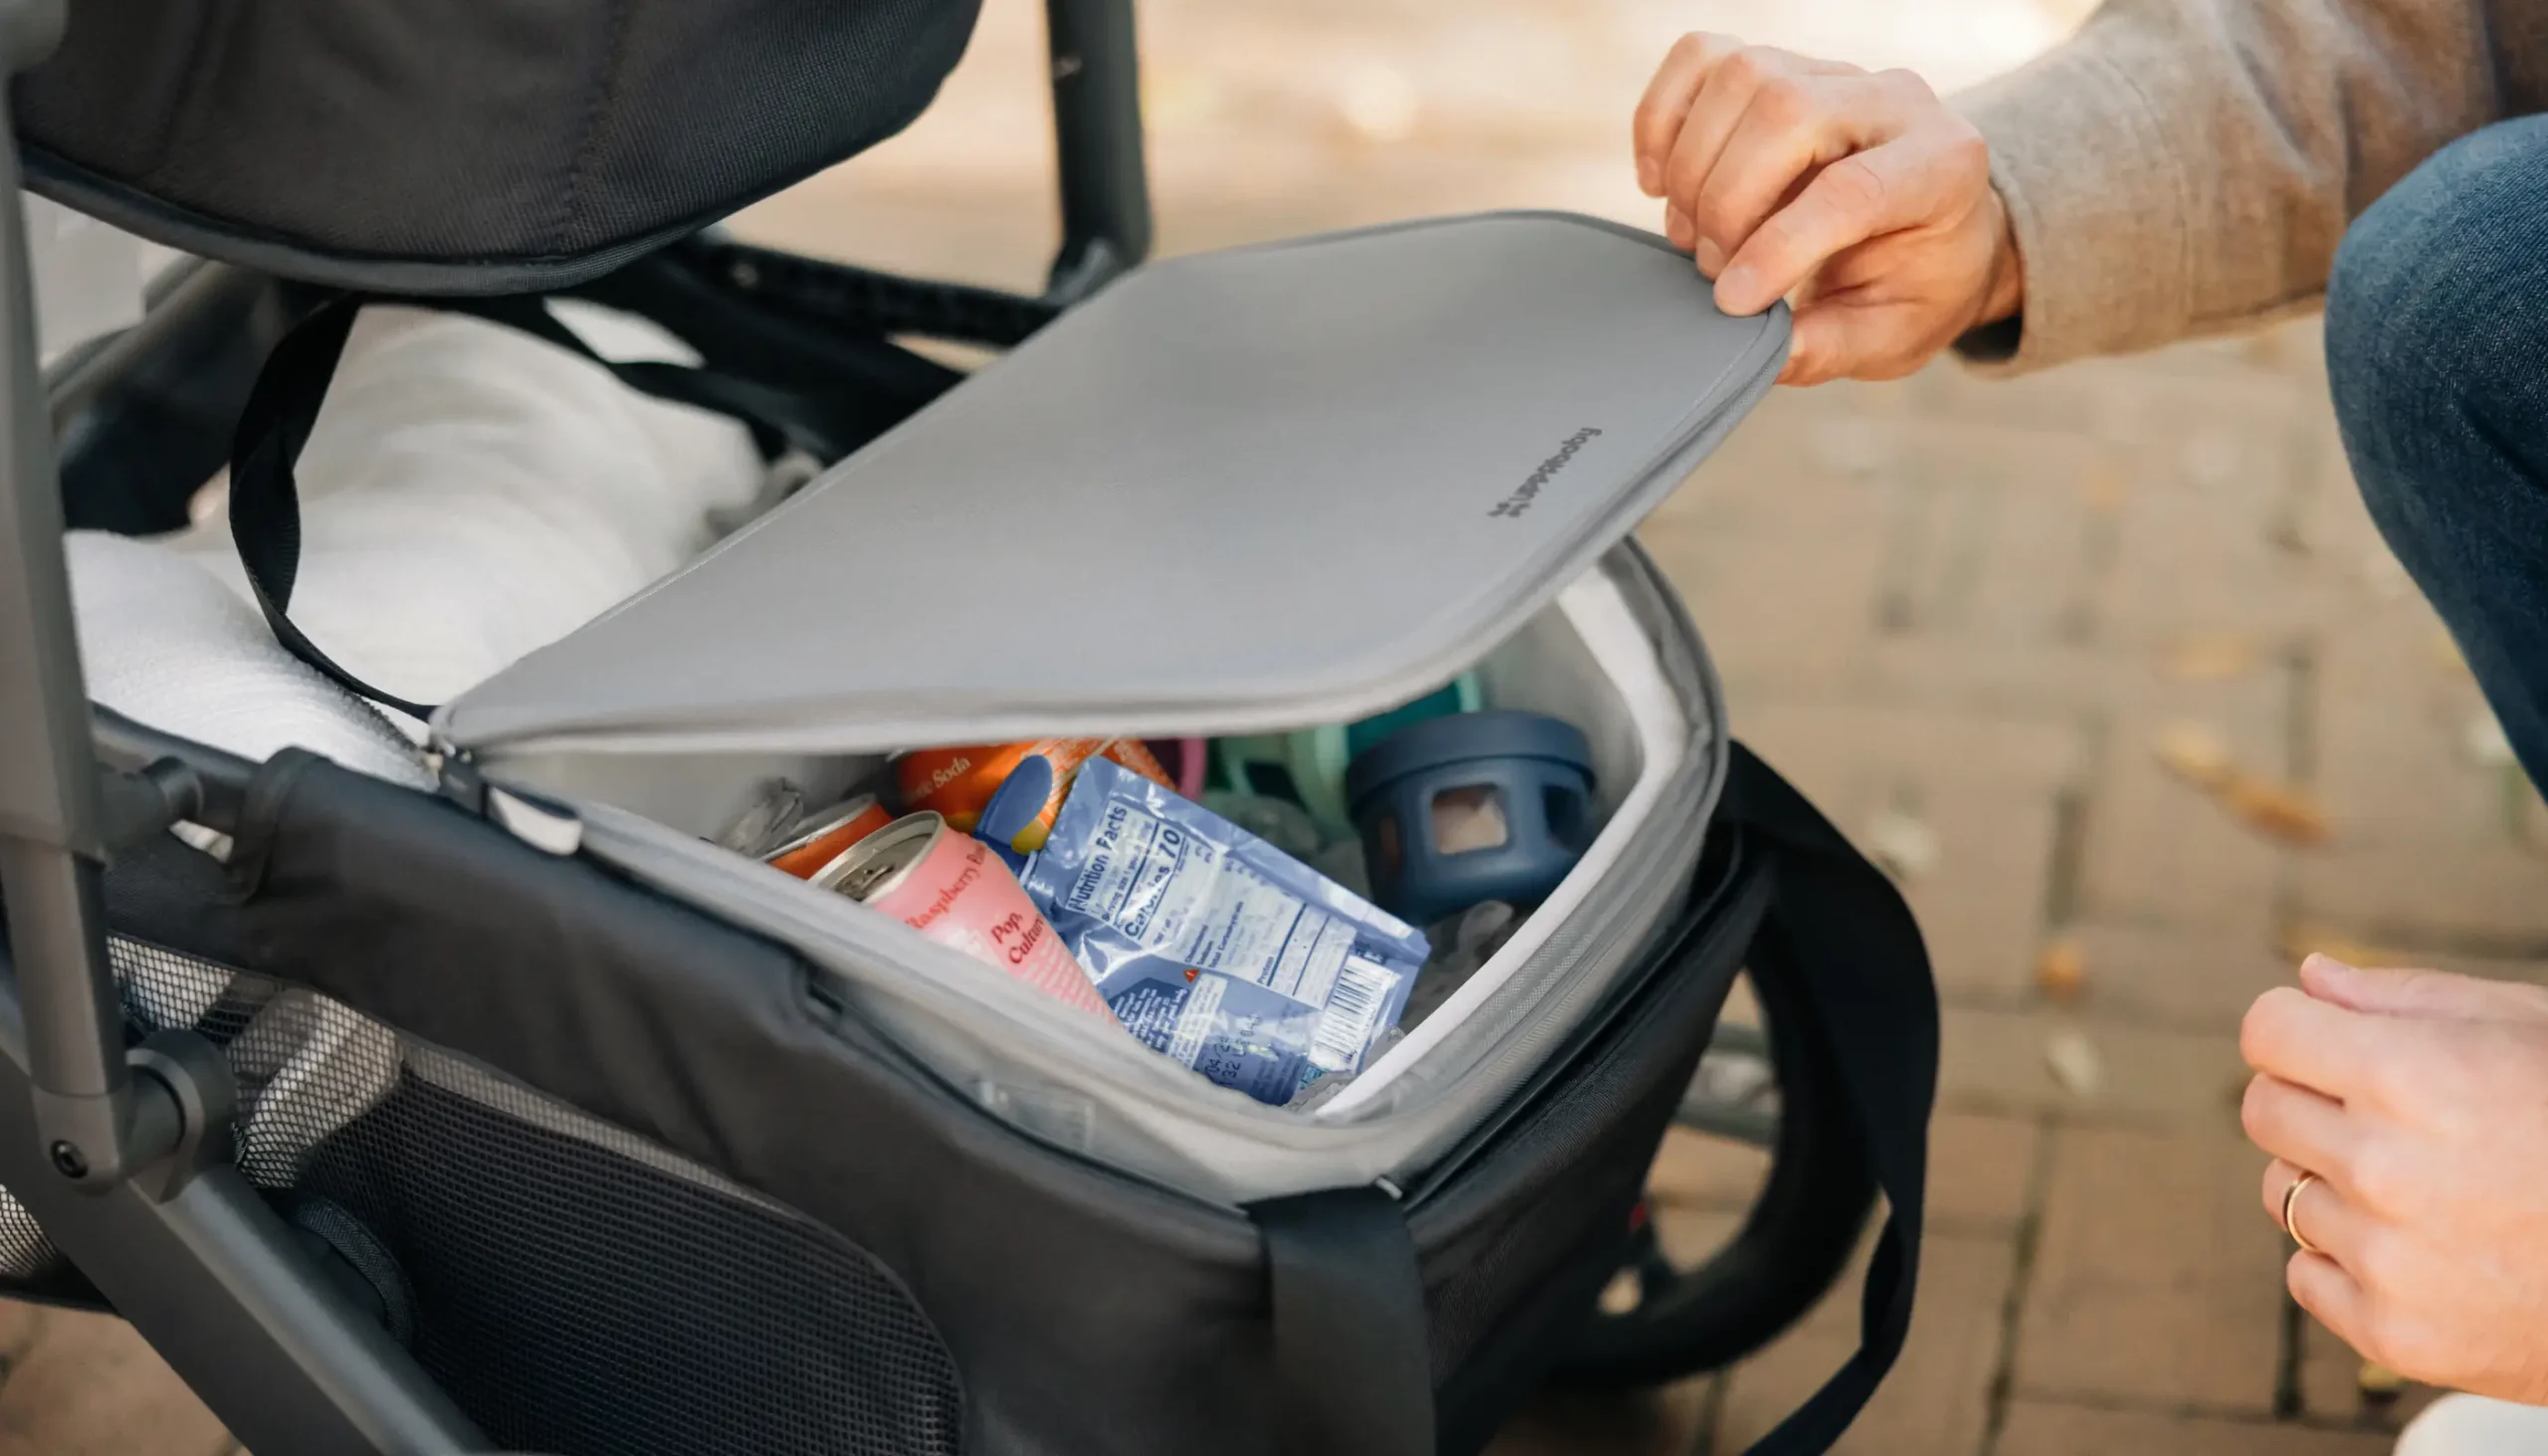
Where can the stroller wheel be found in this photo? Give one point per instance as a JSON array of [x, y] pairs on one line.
[[1660, 1321], [352, 1257]]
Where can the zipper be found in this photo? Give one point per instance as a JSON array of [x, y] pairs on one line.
[[912, 988], [1702, 931], [1125, 1066], [549, 825], [1654, 876], [456, 775], [1651, 869]]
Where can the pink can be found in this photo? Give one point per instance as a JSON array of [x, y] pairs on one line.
[[949, 887]]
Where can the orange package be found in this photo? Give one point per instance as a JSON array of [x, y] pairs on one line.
[[958, 782]]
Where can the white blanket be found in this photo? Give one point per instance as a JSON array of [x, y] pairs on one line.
[[467, 494], [166, 644], [470, 493]]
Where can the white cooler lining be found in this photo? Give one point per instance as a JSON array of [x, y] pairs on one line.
[[1619, 647], [1027, 1062], [1586, 659]]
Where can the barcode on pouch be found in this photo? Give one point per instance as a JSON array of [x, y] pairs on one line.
[[1353, 1005]]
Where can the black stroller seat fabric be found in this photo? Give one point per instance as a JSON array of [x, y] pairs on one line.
[[475, 148]]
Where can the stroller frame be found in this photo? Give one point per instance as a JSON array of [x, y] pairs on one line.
[[124, 1154]]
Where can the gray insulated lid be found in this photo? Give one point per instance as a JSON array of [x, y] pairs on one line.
[[1257, 489]]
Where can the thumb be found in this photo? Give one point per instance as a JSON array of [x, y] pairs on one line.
[[2431, 995], [1843, 339]]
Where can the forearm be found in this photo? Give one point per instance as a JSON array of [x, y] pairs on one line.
[[2186, 166]]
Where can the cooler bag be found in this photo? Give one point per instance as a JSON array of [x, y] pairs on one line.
[[589, 1137]]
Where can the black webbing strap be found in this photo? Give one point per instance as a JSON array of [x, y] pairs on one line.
[[1842, 931], [1352, 1370], [265, 493]]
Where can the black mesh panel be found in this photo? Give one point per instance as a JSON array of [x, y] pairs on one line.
[[576, 1290], [27, 1257], [159, 989]]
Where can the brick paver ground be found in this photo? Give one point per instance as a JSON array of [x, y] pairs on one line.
[[1972, 608]]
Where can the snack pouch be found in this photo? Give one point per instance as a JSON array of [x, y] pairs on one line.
[[1211, 945]]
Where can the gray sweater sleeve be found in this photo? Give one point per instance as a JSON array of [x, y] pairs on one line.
[[2186, 166]]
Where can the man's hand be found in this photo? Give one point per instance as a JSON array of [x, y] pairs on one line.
[[2421, 1101], [1860, 196]]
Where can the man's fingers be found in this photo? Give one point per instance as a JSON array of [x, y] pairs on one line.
[[1843, 341], [2315, 1044], [2281, 1174], [1858, 197], [1657, 124], [1713, 115], [1790, 128], [1821, 346], [2300, 1128], [2325, 1290], [1736, 85], [2427, 993], [2332, 1222], [1677, 227]]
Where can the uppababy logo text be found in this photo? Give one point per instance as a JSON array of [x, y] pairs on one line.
[[1529, 491]]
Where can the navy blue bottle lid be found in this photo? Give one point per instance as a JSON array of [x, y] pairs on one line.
[[1465, 737]]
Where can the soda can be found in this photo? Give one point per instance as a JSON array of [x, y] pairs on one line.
[[818, 839], [764, 821], [949, 887], [958, 782]]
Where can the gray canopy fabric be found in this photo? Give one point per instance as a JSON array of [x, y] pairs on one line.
[[493, 147]]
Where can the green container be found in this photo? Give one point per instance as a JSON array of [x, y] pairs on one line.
[[1307, 767]]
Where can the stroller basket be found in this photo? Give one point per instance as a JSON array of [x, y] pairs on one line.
[[514, 1112], [491, 1229]]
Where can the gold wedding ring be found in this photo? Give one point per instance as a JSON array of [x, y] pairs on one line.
[[2290, 1220]]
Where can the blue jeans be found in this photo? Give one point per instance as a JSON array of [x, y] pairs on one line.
[[2438, 356]]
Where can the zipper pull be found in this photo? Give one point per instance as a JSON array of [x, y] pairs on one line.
[[543, 823], [456, 774]]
